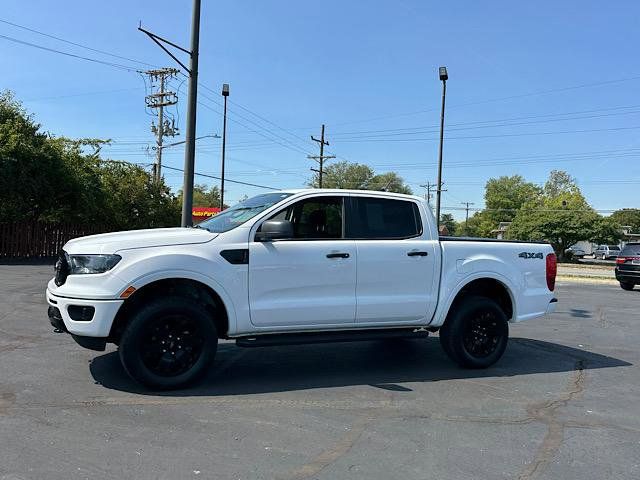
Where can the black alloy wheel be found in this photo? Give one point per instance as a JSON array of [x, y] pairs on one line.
[[169, 342], [171, 346], [475, 333], [482, 335]]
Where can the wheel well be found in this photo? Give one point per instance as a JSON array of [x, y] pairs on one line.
[[187, 288], [490, 288]]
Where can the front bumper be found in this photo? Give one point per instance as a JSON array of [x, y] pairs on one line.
[[98, 326]]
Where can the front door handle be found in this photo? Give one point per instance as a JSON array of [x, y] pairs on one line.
[[418, 254], [337, 255]]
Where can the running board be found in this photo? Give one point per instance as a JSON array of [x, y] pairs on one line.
[[274, 339]]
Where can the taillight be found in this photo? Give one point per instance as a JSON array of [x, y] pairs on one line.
[[621, 260], [552, 269]]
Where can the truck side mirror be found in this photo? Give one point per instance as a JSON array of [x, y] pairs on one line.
[[275, 230]]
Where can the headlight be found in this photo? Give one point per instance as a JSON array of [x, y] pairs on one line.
[[92, 263]]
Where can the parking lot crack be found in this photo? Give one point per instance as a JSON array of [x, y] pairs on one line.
[[330, 455], [547, 413]]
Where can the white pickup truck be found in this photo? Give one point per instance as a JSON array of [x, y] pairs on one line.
[[298, 266]]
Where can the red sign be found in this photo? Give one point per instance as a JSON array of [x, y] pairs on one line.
[[199, 214]]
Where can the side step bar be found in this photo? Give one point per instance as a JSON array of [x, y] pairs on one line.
[[274, 339]]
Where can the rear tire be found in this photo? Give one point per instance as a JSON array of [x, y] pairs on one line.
[[604, 257], [627, 286], [476, 333], [168, 343]]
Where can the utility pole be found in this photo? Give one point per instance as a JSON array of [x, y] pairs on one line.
[[427, 195], [225, 94], [466, 219], [322, 157], [432, 186], [444, 76], [192, 99], [159, 100]]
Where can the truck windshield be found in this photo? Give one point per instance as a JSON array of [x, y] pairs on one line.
[[241, 212]]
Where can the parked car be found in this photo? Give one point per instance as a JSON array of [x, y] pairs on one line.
[[628, 266], [575, 251], [291, 267], [606, 251]]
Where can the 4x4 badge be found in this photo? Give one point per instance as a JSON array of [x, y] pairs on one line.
[[531, 255]]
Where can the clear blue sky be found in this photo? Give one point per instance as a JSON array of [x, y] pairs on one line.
[[368, 70]]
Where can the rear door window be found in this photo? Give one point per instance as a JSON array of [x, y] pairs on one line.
[[631, 250], [383, 218]]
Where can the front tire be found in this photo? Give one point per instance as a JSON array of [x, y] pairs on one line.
[[476, 333], [604, 257], [168, 343], [627, 286]]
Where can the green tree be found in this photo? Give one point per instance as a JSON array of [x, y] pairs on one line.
[[562, 217], [389, 182], [560, 182], [348, 175], [345, 175], [480, 225], [34, 179], [628, 216], [204, 196], [447, 220], [134, 200], [61, 180], [504, 196], [607, 230]]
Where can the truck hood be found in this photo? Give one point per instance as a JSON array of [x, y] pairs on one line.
[[156, 237]]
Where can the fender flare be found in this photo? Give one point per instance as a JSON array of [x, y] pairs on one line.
[[443, 308], [149, 278]]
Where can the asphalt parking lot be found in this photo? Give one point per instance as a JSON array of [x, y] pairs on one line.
[[562, 403]]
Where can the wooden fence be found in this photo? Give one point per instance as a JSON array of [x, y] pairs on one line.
[[38, 239]]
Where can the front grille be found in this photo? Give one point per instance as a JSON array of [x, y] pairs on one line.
[[61, 269]]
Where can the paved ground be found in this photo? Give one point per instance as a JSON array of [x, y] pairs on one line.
[[562, 403]]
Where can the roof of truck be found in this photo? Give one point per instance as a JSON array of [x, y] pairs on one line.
[[343, 191]]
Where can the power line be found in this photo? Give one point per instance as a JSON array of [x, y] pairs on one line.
[[499, 99], [474, 125], [523, 134], [289, 146], [80, 57], [586, 210], [103, 52], [304, 140], [102, 92], [226, 179]]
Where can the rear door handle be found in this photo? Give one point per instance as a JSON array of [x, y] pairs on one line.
[[337, 255], [418, 254]]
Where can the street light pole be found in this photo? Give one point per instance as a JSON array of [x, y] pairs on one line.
[[442, 71], [190, 144], [225, 94]]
